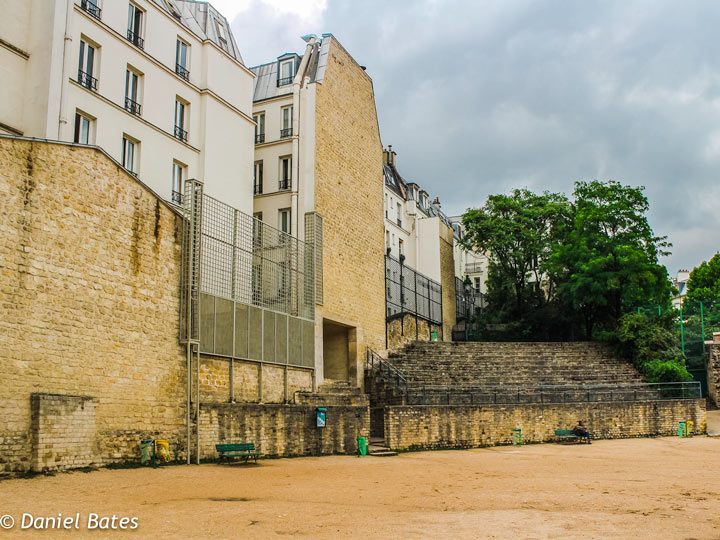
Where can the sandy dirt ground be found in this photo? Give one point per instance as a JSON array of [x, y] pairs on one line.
[[641, 488]]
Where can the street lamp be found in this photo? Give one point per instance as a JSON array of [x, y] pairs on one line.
[[467, 286]]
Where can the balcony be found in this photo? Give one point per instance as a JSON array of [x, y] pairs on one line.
[[284, 81], [259, 138], [133, 107], [181, 134], [473, 268], [284, 184], [285, 133], [135, 39], [87, 80], [91, 8], [177, 197], [182, 71], [257, 189]]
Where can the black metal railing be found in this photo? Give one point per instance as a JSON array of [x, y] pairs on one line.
[[177, 197], [285, 183], [91, 8], [182, 71], [181, 134], [258, 188], [283, 81], [132, 106], [377, 365], [135, 39], [259, 138], [285, 133], [408, 292], [492, 395], [87, 80]]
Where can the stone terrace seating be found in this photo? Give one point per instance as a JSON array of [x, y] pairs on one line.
[[512, 364]]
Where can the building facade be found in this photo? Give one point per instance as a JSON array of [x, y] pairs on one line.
[[158, 84], [318, 171]]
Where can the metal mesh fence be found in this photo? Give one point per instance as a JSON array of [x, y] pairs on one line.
[[190, 282], [314, 238], [410, 292]]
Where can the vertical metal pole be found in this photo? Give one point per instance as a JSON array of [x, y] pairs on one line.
[[233, 270], [260, 382], [189, 394], [417, 331], [285, 397], [197, 407], [386, 307], [232, 381]]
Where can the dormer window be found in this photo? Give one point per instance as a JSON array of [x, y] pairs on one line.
[[286, 72], [222, 36]]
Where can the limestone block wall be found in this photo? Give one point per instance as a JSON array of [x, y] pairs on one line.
[[713, 371], [467, 426], [282, 430], [63, 432], [408, 329], [447, 280], [89, 273], [349, 196]]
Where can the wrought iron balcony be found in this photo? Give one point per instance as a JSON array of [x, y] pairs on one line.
[[284, 81], [177, 197], [135, 39], [91, 7], [132, 106], [182, 71], [181, 134], [258, 189], [87, 80], [285, 133], [259, 138], [284, 184]]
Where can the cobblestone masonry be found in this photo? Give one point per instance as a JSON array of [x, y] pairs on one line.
[[282, 430], [713, 372], [463, 426], [349, 196]]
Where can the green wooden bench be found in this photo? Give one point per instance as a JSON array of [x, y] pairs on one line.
[[245, 451], [567, 435]]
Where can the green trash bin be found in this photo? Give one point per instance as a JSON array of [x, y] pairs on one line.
[[517, 437], [434, 336], [682, 429], [362, 446]]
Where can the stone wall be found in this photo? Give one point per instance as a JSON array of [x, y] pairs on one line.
[[88, 303], [63, 432], [401, 331], [467, 426], [713, 371], [349, 196], [282, 430], [447, 280]]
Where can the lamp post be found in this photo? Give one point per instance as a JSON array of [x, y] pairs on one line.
[[467, 286]]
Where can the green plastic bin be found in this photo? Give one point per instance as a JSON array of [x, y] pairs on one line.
[[517, 437], [682, 429], [362, 446]]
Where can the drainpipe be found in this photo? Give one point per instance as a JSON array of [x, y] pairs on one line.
[[67, 46]]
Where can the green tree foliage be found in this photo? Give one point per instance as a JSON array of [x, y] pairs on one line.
[[608, 263], [704, 282]]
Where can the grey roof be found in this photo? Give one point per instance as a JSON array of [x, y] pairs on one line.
[[397, 183], [203, 20]]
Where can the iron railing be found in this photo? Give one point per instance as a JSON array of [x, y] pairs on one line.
[[177, 197], [87, 80], [181, 134], [473, 268], [135, 39], [91, 7], [491, 395], [259, 138], [132, 106], [182, 71], [285, 183], [284, 80], [376, 364], [409, 292], [285, 133], [257, 189]]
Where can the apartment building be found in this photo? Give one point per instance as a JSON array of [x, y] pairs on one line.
[[318, 171], [160, 85]]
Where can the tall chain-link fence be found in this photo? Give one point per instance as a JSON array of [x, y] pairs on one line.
[[409, 292]]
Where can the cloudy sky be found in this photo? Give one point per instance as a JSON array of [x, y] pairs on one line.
[[479, 97]]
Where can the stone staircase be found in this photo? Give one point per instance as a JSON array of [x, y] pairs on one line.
[[333, 393], [376, 447]]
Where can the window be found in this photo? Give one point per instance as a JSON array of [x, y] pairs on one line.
[[178, 177], [222, 36], [135, 25], [399, 215], [400, 247], [259, 128], [258, 216], [285, 173], [181, 120], [385, 206], [91, 7], [86, 66], [284, 221], [129, 155], [182, 58], [287, 119], [477, 284], [132, 83], [258, 177], [286, 72], [83, 125]]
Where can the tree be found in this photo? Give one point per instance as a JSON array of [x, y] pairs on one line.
[[518, 231], [608, 263], [704, 282]]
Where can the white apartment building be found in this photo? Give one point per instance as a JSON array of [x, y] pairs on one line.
[[471, 264], [158, 84]]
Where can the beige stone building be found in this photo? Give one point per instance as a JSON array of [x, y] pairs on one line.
[[318, 153]]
